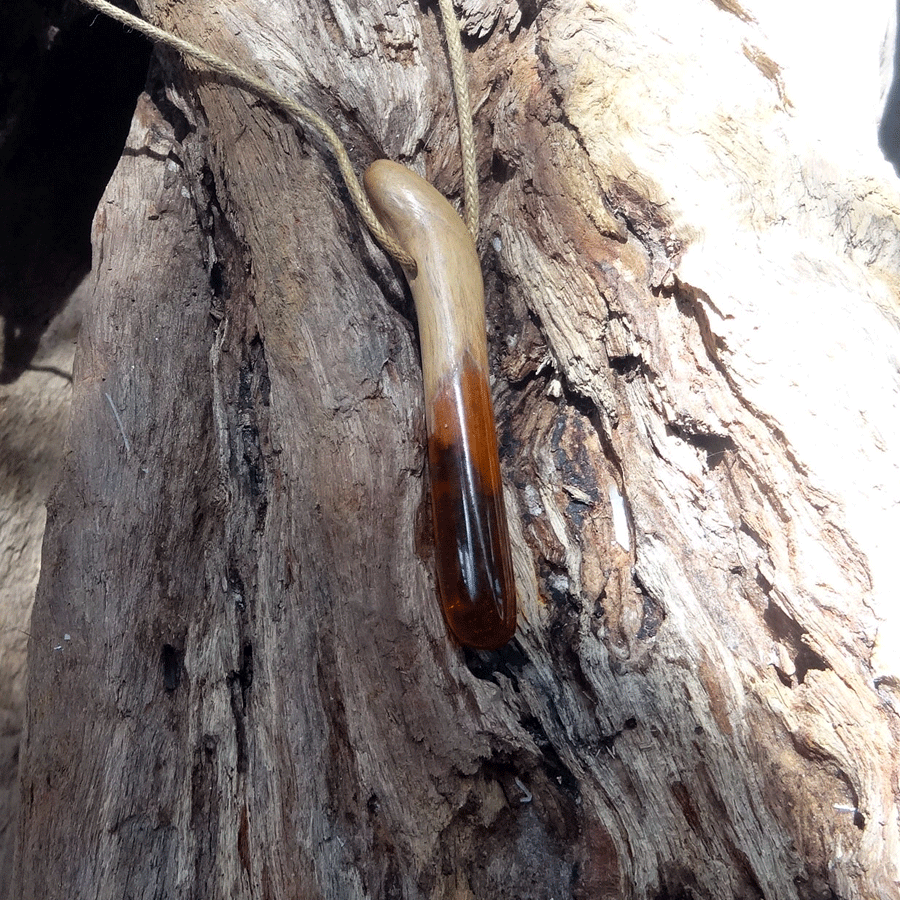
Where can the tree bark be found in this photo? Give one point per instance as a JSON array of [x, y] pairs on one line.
[[240, 683]]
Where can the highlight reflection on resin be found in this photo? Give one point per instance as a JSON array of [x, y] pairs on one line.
[[474, 566], [472, 553]]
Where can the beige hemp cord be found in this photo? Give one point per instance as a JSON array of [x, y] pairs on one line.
[[304, 114], [463, 114]]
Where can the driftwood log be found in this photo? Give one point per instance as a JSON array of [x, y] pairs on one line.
[[240, 683]]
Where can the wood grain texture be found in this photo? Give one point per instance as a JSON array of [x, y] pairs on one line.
[[33, 422], [259, 698]]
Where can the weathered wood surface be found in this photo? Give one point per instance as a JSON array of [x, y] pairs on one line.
[[692, 307], [33, 421]]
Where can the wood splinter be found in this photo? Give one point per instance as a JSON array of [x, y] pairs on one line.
[[472, 553]]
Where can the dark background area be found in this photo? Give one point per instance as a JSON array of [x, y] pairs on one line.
[[69, 80]]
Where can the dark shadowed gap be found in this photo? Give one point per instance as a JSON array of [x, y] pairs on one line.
[[889, 129], [69, 81]]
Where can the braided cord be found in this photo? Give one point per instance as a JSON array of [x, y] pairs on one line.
[[463, 113], [294, 109]]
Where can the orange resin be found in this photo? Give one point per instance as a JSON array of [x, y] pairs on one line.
[[473, 560]]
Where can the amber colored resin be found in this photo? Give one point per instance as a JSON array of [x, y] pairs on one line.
[[472, 556], [473, 560]]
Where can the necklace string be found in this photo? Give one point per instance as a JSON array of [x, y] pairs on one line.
[[303, 114]]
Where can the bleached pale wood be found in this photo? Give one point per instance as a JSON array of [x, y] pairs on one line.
[[692, 308]]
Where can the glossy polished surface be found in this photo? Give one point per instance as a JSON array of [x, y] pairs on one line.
[[474, 566], [472, 553]]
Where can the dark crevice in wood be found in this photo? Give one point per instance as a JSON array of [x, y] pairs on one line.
[[575, 399], [751, 889], [679, 883], [806, 660], [239, 683], [889, 127], [565, 639], [649, 225], [182, 127], [171, 663], [572, 459], [253, 392], [746, 528], [508, 661], [215, 279], [530, 10], [229, 267], [654, 614], [654, 609], [502, 169], [626, 365], [691, 302], [790, 633], [715, 446], [783, 677]]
